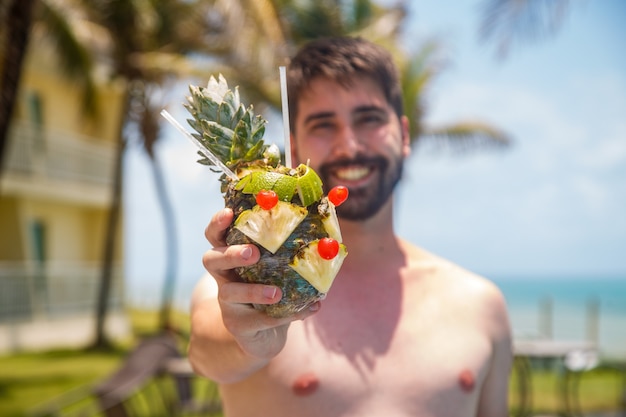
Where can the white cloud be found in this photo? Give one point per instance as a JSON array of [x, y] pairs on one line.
[[607, 152], [594, 194]]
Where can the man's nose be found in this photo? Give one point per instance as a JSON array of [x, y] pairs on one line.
[[346, 143]]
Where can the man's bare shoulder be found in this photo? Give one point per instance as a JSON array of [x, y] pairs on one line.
[[452, 282]]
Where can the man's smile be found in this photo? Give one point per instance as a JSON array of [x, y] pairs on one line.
[[351, 172]]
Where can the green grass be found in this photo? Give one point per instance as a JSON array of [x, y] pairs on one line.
[[600, 390], [30, 379]]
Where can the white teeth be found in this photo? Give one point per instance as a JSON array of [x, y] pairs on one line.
[[352, 173]]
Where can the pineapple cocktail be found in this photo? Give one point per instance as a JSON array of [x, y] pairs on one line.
[[282, 210]]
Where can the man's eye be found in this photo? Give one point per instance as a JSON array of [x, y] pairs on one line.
[[322, 126], [371, 118]]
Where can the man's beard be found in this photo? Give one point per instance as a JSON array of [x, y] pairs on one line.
[[363, 203]]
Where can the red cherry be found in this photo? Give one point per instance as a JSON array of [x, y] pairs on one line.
[[328, 248], [267, 199], [338, 195]]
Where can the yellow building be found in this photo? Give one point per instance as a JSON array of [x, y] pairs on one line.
[[55, 194]]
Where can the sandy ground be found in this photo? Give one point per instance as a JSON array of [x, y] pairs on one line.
[[52, 333]]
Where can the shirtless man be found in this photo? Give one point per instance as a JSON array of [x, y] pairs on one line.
[[402, 332]]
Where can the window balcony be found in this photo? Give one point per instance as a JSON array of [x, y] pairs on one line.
[[53, 304], [59, 165]]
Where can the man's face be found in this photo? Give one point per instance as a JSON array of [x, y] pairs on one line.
[[351, 136]]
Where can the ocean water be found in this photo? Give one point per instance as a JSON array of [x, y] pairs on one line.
[[564, 309], [574, 309]]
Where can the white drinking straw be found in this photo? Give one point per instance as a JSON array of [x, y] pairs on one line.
[[216, 161], [285, 102]]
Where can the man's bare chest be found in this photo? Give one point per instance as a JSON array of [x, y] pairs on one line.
[[405, 367]]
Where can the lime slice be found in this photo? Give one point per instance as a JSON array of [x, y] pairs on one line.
[[243, 182], [283, 185], [260, 180], [309, 185]]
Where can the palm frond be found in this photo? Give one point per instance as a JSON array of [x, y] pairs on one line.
[[382, 26], [417, 73], [463, 137], [506, 22], [75, 58]]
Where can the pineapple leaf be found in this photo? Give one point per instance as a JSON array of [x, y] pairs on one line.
[[204, 160], [255, 151], [240, 141], [241, 111], [236, 99], [193, 123], [224, 125], [221, 150], [222, 133], [226, 111], [216, 89], [258, 132]]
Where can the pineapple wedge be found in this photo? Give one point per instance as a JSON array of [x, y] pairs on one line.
[[288, 232], [270, 228]]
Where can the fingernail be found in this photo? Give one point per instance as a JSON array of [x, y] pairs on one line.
[[269, 292], [246, 253]]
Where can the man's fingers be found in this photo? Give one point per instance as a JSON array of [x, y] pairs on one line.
[[245, 293], [219, 260], [241, 296], [216, 230]]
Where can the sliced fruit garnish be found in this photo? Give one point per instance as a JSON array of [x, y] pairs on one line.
[[319, 272], [267, 199], [270, 228], [337, 195], [283, 185], [329, 219], [328, 248], [309, 185]]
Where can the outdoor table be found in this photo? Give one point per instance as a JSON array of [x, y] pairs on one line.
[[576, 357]]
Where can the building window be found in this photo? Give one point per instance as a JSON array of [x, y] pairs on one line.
[[38, 239], [35, 109]]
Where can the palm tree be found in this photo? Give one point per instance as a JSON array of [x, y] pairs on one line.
[[49, 19], [506, 22], [41, 18], [15, 20], [145, 116], [126, 31], [136, 28], [268, 33]]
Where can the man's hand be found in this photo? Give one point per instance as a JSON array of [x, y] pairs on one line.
[[257, 337]]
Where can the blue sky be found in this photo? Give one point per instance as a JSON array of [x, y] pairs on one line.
[[553, 204]]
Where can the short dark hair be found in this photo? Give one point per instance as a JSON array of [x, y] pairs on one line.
[[342, 59]]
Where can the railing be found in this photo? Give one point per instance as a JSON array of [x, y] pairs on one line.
[[57, 155], [30, 291]]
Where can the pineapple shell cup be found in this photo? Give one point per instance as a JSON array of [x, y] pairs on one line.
[[288, 236], [296, 229]]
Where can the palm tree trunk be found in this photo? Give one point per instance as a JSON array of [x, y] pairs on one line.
[[16, 22], [170, 242], [106, 276]]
